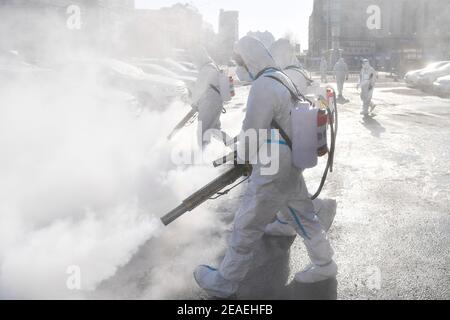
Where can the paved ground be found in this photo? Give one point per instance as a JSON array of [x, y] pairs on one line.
[[391, 233]]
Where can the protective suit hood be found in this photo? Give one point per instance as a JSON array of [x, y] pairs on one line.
[[254, 54], [283, 53], [366, 64]]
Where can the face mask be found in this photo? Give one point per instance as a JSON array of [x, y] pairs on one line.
[[242, 71]]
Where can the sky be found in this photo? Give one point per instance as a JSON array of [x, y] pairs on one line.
[[278, 17]]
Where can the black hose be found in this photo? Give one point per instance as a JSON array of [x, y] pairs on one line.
[[333, 117], [334, 128]]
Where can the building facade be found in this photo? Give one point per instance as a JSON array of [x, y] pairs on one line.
[[392, 33], [228, 34], [157, 33]]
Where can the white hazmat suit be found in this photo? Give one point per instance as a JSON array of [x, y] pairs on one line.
[[283, 192], [367, 83], [206, 95], [283, 53], [341, 73]]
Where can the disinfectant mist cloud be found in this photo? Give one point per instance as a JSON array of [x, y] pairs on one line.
[[84, 182], [85, 177]]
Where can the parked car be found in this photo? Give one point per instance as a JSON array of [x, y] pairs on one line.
[[188, 65], [153, 91], [152, 68], [14, 67], [412, 77], [442, 86], [177, 67], [156, 89], [426, 78]]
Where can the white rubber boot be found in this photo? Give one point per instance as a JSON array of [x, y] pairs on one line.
[[210, 280], [314, 273]]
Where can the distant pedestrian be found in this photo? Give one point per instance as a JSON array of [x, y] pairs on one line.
[[341, 74], [367, 81]]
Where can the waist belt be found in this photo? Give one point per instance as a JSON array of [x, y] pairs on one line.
[[282, 142], [273, 138]]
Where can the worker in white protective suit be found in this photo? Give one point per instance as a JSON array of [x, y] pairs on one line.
[[206, 98], [285, 191], [367, 84], [284, 55], [341, 74], [323, 70]]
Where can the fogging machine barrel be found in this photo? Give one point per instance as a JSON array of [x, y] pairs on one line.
[[206, 192], [183, 122], [231, 157]]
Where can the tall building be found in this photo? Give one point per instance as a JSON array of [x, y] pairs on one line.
[[392, 33], [228, 33], [155, 33]]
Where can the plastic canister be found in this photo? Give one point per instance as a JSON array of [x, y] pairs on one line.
[[304, 135]]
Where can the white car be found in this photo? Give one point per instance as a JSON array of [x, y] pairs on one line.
[[153, 91], [152, 68], [442, 86], [412, 77], [13, 66], [188, 65], [427, 78], [177, 67]]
